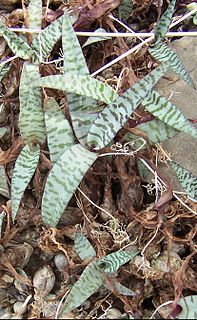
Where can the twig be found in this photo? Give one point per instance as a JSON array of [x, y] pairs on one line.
[[132, 50]]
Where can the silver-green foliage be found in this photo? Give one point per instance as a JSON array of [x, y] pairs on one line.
[[163, 53], [35, 14], [31, 117], [59, 132], [63, 180], [16, 44], [92, 277], [164, 22], [115, 115], [165, 111], [189, 309], [125, 9], [187, 180], [24, 169], [83, 247]]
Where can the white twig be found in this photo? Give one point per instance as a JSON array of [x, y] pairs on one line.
[[161, 305], [132, 50], [2, 63], [95, 205]]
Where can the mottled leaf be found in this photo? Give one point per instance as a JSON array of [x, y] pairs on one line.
[[35, 14], [163, 24], [189, 307], [31, 117], [187, 180], [89, 282], [123, 290], [74, 61], [79, 84], [63, 180], [94, 39], [83, 247], [83, 112], [4, 68], [168, 113], [3, 183], [44, 42], [113, 261], [59, 132], [91, 279], [24, 169], [157, 131], [163, 53], [125, 9], [115, 115], [16, 44]]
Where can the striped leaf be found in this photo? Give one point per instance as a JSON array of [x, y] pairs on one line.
[[74, 61], [113, 261], [31, 117], [188, 305], [187, 180], [83, 112], [89, 282], [35, 14], [59, 132], [163, 53], [91, 279], [63, 180], [79, 84], [83, 247], [125, 9], [95, 38], [168, 113], [163, 24], [115, 115], [44, 42], [24, 169], [18, 46], [157, 131]]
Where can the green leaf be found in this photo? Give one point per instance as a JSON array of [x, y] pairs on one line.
[[163, 24], [168, 113], [24, 169], [83, 247], [79, 84], [31, 117], [59, 132], [3, 183], [157, 131], [44, 42], [16, 44], [74, 61], [91, 279], [125, 9], [163, 53], [83, 112], [35, 14], [63, 180], [89, 282], [94, 39], [123, 290], [187, 180], [115, 115], [113, 261], [4, 68], [188, 305]]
